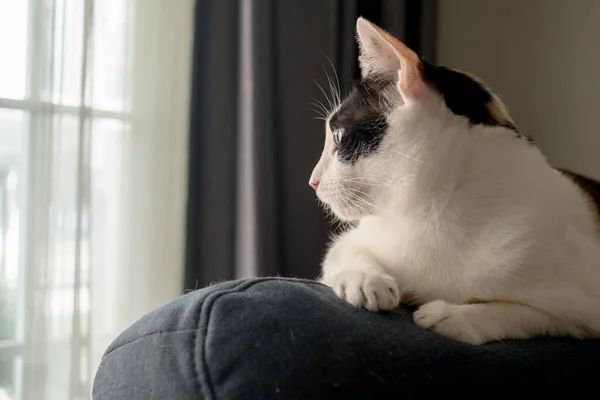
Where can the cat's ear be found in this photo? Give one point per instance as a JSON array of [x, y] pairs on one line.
[[382, 55]]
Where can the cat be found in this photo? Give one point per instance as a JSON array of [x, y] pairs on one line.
[[451, 208]]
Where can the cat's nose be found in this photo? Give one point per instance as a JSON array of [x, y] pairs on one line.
[[314, 184]]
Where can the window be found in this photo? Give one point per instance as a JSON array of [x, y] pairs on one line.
[[94, 98], [63, 119]]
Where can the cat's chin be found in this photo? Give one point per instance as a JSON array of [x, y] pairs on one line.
[[346, 214]]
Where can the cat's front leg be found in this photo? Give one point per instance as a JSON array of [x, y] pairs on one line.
[[355, 276], [487, 322]]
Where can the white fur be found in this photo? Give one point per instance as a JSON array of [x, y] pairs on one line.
[[449, 212]]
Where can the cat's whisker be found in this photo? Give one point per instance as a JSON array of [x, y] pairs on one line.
[[355, 193], [332, 89], [320, 106], [328, 212], [348, 203], [359, 180], [331, 107], [352, 178], [332, 218], [373, 182], [370, 184], [318, 103], [357, 197], [337, 80], [359, 202], [319, 114], [360, 192], [376, 207], [409, 157], [317, 110]]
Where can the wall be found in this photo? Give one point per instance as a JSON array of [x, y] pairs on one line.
[[543, 59]]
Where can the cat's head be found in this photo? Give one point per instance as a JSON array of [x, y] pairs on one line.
[[392, 123]]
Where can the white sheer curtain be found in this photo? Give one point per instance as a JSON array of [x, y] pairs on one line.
[[93, 136]]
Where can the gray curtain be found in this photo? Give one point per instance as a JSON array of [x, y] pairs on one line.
[[253, 139]]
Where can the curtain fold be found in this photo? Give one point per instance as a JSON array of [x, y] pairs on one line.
[[97, 219], [253, 139], [255, 223]]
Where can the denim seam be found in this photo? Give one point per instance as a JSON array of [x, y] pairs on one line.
[[202, 371]]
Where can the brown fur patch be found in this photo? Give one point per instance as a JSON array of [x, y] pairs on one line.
[[589, 188], [473, 77], [497, 113]]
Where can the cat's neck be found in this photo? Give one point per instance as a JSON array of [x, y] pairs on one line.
[[464, 165]]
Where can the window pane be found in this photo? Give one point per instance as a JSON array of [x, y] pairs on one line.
[[109, 60], [63, 226], [100, 246], [106, 63], [66, 51], [10, 373], [12, 139], [58, 285], [107, 226], [13, 48]]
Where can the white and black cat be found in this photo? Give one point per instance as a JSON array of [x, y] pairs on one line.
[[454, 209]]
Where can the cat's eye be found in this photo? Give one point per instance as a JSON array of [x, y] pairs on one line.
[[337, 137]]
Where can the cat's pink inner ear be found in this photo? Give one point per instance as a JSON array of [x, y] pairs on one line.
[[410, 82]]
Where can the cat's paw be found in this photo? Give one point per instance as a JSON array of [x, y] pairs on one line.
[[449, 320], [371, 290]]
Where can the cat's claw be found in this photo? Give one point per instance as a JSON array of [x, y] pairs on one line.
[[373, 291], [449, 320]]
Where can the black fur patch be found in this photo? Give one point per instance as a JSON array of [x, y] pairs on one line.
[[362, 117], [465, 96]]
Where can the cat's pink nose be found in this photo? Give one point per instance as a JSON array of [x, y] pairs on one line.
[[314, 184]]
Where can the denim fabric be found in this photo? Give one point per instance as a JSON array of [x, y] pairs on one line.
[[275, 338]]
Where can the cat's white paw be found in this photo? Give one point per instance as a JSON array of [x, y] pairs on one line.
[[449, 320], [371, 290]]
